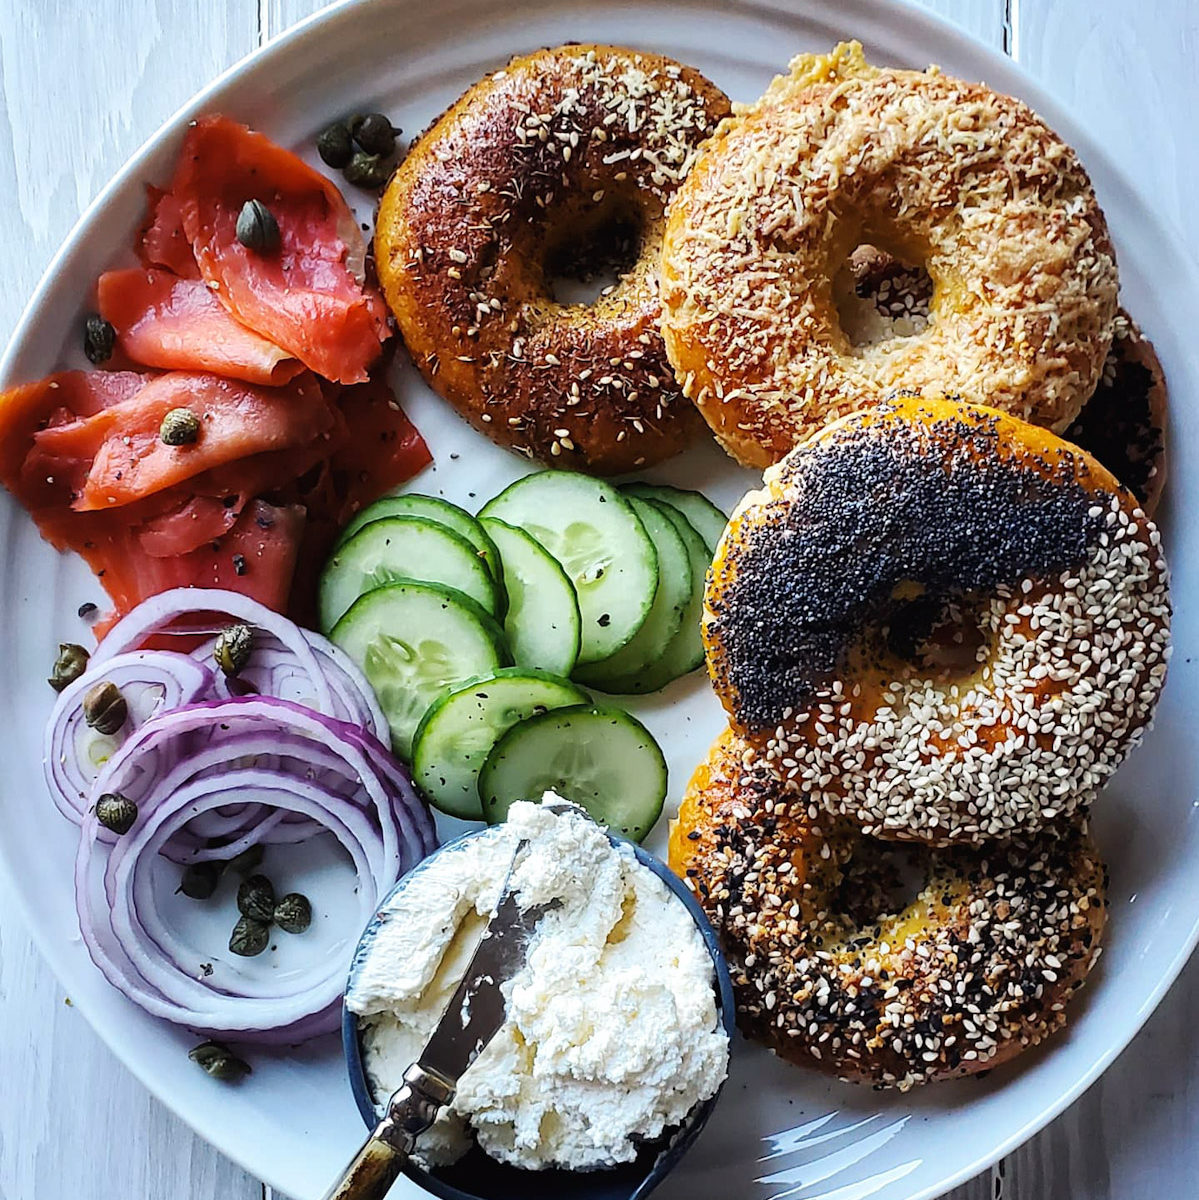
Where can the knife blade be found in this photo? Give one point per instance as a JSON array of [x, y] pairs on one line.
[[476, 1010]]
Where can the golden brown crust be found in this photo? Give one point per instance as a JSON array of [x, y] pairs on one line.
[[532, 157], [1124, 422], [973, 970], [970, 183], [993, 526]]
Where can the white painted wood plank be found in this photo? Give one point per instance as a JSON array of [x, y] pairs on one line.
[[81, 86], [1127, 71]]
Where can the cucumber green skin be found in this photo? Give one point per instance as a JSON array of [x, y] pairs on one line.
[[443, 605], [686, 649], [484, 590], [431, 508], [637, 560], [675, 592], [704, 517], [524, 624], [446, 770], [501, 783]]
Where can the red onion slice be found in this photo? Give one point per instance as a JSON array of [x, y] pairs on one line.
[[287, 661], [151, 681], [191, 611], [288, 769]]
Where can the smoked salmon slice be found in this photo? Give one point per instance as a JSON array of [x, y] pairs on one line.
[[162, 241], [130, 461], [308, 294], [162, 320]]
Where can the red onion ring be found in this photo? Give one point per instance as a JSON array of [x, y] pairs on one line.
[[150, 680], [193, 761], [287, 661]]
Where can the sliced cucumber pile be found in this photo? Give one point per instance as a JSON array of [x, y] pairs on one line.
[[459, 731], [702, 515], [620, 671], [542, 621], [593, 584], [601, 758], [600, 543], [415, 642], [430, 508]]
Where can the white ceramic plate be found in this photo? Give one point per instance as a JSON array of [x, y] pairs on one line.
[[779, 1131]]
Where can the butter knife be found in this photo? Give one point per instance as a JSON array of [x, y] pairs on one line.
[[471, 1019]]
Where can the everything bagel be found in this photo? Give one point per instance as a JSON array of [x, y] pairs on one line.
[[533, 162], [830, 973]]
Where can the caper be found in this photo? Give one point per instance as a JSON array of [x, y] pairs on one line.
[[247, 860], [293, 914], [219, 1061], [367, 171], [99, 339], [375, 134], [334, 145], [68, 666], [257, 228], [232, 648], [104, 708], [180, 427], [249, 937], [200, 880], [256, 898], [116, 812]]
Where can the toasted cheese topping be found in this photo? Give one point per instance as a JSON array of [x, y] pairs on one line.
[[948, 174]]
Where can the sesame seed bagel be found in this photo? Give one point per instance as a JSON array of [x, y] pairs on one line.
[[834, 968], [1124, 423], [937, 171], [561, 149], [939, 621]]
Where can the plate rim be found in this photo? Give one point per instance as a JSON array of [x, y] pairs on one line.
[[921, 22]]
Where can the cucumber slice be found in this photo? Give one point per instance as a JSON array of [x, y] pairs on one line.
[[459, 731], [602, 546], [542, 621], [618, 673], [706, 519], [686, 649], [415, 642], [431, 508], [395, 548], [601, 758]]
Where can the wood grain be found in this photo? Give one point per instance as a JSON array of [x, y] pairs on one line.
[[81, 85]]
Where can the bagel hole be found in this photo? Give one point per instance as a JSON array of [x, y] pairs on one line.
[[937, 640], [589, 250], [879, 881], [881, 296], [942, 638]]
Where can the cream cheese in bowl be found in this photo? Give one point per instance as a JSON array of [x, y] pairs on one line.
[[612, 1034]]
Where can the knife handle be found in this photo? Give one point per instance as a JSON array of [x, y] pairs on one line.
[[409, 1113], [372, 1172]]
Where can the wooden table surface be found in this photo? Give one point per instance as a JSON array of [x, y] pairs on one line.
[[82, 83]]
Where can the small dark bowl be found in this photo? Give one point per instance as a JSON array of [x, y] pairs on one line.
[[475, 1176]]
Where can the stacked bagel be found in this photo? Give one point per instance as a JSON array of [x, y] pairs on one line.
[[938, 628]]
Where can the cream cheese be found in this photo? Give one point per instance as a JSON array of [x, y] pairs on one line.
[[611, 1033]]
